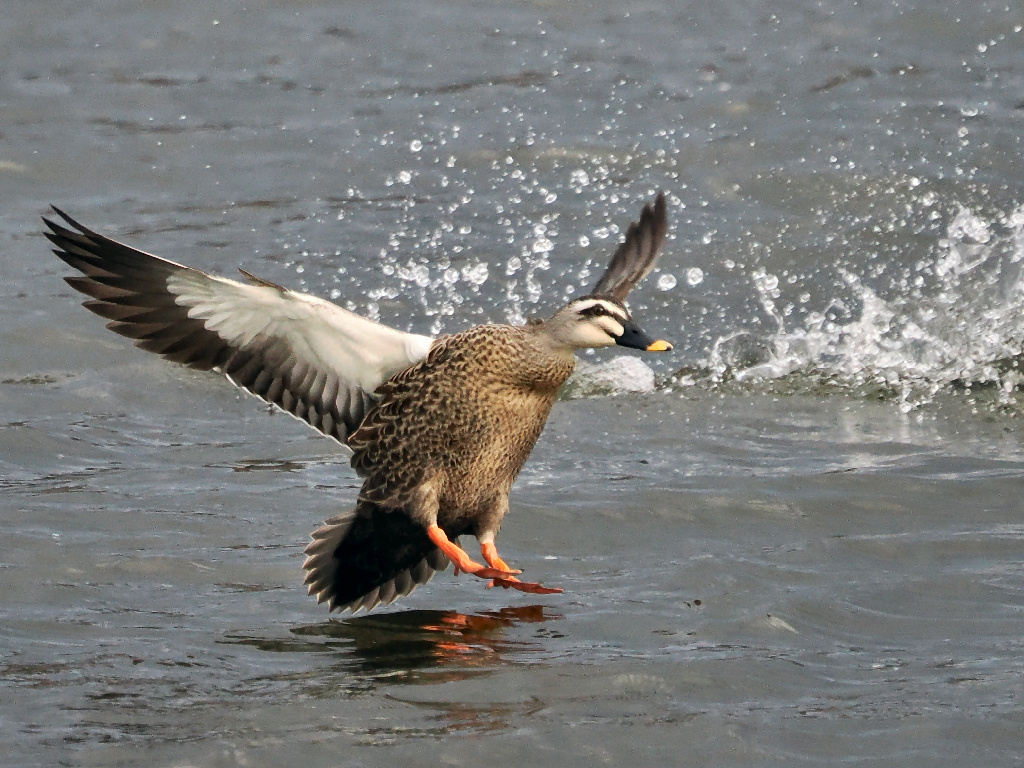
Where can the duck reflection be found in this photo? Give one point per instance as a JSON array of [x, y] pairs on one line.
[[418, 646]]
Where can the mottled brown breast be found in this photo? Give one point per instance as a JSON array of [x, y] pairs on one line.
[[466, 418]]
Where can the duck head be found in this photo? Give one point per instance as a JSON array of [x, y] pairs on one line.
[[600, 321]]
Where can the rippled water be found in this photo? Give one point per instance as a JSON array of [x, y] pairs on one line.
[[796, 540]]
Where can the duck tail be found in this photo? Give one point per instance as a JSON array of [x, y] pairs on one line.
[[369, 556]]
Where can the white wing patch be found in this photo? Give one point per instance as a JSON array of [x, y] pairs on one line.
[[361, 352], [310, 357]]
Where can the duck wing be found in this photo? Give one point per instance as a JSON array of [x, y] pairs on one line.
[[637, 255], [310, 357]]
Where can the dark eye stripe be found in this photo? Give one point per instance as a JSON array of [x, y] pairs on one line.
[[595, 310], [602, 310]]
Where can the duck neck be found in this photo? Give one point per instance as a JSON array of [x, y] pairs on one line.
[[553, 358]]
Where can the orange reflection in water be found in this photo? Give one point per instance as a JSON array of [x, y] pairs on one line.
[[471, 638], [420, 645]]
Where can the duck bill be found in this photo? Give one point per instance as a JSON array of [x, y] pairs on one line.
[[634, 338]]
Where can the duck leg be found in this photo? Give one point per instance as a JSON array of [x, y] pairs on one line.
[[462, 561], [490, 553]]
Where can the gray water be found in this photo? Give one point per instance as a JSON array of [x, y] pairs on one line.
[[796, 540]]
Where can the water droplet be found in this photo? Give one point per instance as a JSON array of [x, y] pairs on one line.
[[666, 282], [415, 145], [542, 245], [694, 276], [476, 275], [579, 178], [765, 281]]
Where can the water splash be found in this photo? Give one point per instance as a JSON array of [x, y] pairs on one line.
[[620, 375], [954, 320]]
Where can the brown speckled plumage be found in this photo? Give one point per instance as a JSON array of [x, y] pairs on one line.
[[495, 387], [448, 422]]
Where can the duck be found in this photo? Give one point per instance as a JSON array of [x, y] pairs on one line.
[[438, 428]]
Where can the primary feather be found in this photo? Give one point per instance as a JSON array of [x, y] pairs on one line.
[[636, 257]]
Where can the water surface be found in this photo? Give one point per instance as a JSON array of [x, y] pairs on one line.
[[797, 540]]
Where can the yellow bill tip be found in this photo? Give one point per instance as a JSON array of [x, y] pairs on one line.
[[659, 346]]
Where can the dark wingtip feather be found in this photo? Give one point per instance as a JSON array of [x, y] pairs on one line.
[[639, 251], [58, 229]]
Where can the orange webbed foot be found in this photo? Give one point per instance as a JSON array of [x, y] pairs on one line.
[[490, 554], [532, 587]]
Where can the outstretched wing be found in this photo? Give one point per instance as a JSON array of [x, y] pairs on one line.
[[638, 253], [313, 359]]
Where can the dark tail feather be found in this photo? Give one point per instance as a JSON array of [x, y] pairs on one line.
[[369, 557]]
